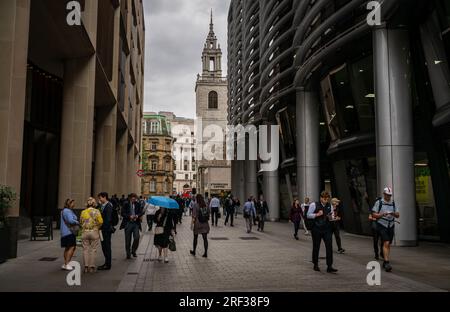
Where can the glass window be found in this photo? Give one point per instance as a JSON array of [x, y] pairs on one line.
[[153, 186], [213, 100], [154, 165]]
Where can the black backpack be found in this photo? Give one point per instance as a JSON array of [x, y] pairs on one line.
[[114, 216], [203, 214]]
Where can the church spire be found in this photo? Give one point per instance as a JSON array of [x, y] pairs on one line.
[[212, 54], [211, 25]]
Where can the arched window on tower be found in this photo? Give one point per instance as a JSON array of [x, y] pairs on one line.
[[213, 102]]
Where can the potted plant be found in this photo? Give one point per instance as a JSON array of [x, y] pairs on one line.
[[7, 197]]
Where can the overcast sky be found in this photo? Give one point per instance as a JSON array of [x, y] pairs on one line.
[[176, 31]]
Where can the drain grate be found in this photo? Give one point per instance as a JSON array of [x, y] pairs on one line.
[[133, 273], [219, 238], [147, 260], [249, 238], [48, 259]]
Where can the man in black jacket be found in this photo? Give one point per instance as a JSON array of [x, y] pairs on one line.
[[262, 209], [107, 229], [132, 214], [321, 212]]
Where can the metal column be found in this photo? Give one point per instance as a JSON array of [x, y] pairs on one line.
[[394, 126]]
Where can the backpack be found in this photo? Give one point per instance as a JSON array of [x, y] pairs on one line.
[[380, 205], [246, 211], [203, 214], [114, 216]]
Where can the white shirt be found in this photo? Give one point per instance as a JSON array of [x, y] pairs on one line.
[[215, 203]]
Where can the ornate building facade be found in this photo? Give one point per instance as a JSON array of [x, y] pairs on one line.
[[157, 161]]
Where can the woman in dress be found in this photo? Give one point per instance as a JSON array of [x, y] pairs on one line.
[[164, 229], [295, 216], [200, 218]]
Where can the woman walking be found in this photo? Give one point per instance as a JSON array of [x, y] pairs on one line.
[[200, 218], [164, 229], [91, 221], [335, 219], [69, 229], [296, 215]]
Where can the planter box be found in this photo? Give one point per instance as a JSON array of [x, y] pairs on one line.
[[4, 244]]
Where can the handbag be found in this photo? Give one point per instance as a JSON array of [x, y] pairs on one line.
[[160, 229], [172, 244]]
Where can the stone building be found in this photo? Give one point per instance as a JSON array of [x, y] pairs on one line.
[[184, 146], [157, 161], [70, 103], [214, 176]]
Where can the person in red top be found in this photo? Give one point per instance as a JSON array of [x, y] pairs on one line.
[[295, 216]]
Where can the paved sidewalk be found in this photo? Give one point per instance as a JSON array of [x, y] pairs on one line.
[[270, 261], [274, 261]]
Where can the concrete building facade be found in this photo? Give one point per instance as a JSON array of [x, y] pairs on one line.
[[211, 90], [361, 105], [70, 103]]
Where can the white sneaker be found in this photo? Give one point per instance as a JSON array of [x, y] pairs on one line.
[[67, 267], [166, 260]]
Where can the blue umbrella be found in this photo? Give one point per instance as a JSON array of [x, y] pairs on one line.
[[163, 202]]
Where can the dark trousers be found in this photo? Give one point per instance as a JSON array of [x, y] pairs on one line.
[[229, 216], [325, 234], [296, 227], [214, 215], [132, 229], [377, 240], [337, 235], [262, 220], [150, 220], [205, 242], [106, 247]]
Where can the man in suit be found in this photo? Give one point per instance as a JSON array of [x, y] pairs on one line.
[[107, 229], [132, 214]]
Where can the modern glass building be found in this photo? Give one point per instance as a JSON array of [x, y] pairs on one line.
[[361, 105]]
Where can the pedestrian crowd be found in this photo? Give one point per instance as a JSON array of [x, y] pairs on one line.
[[321, 219]]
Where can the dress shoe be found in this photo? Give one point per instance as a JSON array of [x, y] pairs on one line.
[[331, 270], [192, 252], [205, 255], [316, 268], [104, 268], [128, 257], [134, 255]]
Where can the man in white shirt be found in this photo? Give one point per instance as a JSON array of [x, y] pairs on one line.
[[214, 205]]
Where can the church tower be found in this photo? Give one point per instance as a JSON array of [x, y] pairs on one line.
[[211, 89]]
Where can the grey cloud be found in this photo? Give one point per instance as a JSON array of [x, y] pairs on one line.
[[175, 34]]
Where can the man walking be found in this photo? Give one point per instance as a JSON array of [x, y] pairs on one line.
[[214, 205], [322, 230], [132, 217], [385, 213], [262, 210], [107, 209], [229, 207], [249, 213]]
